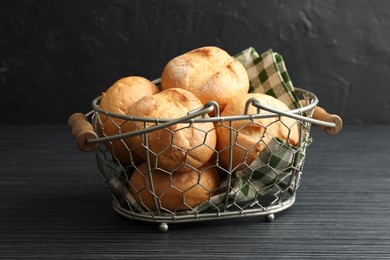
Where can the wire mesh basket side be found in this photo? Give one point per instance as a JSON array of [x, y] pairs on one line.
[[244, 189]]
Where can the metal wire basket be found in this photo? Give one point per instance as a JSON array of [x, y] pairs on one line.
[[275, 194]]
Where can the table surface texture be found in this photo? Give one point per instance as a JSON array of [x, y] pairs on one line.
[[54, 204]]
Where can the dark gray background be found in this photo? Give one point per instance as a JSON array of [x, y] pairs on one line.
[[56, 56]]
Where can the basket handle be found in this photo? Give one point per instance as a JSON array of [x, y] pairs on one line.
[[87, 140], [82, 131], [331, 124], [321, 114]]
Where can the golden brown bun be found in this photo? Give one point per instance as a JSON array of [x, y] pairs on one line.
[[174, 191], [117, 99], [172, 152], [210, 73], [251, 133]]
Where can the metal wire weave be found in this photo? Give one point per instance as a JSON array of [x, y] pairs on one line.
[[116, 171]]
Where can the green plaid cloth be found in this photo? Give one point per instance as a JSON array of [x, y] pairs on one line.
[[268, 74], [271, 167], [268, 169]]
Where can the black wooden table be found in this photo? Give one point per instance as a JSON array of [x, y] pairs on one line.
[[54, 204]]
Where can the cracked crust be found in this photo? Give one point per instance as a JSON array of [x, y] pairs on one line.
[[175, 191], [117, 99], [210, 73], [179, 144]]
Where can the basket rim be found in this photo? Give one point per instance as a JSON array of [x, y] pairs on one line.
[[309, 106]]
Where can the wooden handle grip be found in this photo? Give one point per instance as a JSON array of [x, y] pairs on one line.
[[82, 130], [321, 114]]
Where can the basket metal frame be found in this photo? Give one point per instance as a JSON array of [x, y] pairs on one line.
[[208, 107], [302, 114]]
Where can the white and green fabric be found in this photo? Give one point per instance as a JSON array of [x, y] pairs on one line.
[[273, 165], [268, 74]]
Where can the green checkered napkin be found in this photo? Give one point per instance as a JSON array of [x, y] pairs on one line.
[[273, 165], [268, 74]]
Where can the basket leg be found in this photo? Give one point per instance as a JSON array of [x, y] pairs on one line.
[[163, 227], [270, 217]]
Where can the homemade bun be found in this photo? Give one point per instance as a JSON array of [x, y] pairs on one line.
[[174, 191], [117, 99], [210, 73], [193, 144], [248, 136]]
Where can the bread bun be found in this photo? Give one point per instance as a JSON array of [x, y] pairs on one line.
[[210, 73], [174, 191], [247, 135], [193, 144], [117, 99]]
